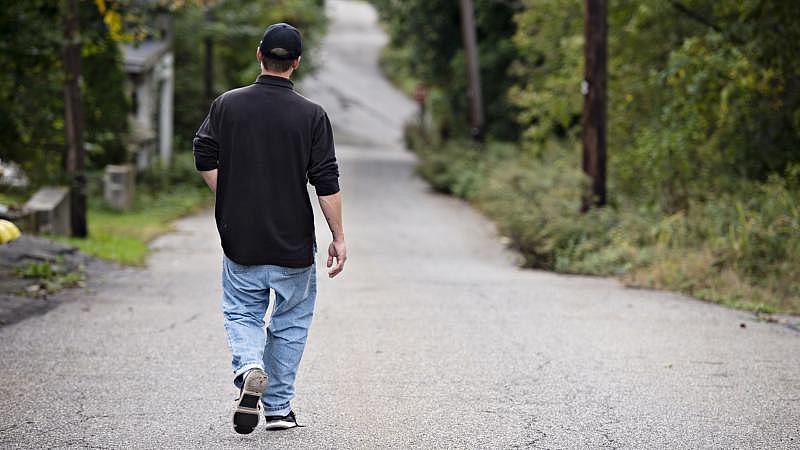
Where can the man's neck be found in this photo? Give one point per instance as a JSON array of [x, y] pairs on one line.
[[287, 75]]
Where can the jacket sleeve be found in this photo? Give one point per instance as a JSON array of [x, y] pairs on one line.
[[323, 170], [206, 144]]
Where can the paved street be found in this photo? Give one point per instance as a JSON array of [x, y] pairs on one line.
[[432, 337]]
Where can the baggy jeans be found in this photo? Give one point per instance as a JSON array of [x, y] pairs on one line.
[[278, 349]]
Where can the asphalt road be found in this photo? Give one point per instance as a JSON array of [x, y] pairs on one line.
[[432, 338]]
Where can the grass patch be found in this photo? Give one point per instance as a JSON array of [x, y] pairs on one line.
[[51, 276], [162, 195], [13, 197], [740, 248], [123, 237]]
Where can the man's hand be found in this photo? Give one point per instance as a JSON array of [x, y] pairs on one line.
[[210, 177], [332, 209], [336, 251]]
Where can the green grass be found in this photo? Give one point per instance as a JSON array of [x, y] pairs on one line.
[[51, 276], [123, 237], [13, 197], [161, 197]]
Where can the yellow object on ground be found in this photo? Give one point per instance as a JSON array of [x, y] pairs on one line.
[[8, 231]]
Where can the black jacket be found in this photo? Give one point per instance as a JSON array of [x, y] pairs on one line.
[[268, 142]]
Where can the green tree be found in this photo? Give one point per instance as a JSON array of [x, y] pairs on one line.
[[32, 77], [105, 101], [31, 80], [700, 93], [236, 27], [430, 33]]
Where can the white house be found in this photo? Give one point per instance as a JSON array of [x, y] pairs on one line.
[[151, 76]]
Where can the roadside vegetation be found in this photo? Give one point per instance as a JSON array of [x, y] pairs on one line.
[[124, 236], [32, 130], [704, 172], [49, 276]]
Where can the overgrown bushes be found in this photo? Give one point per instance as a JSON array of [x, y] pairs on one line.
[[740, 249], [703, 138]]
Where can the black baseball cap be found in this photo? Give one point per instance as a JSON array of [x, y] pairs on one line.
[[281, 41]]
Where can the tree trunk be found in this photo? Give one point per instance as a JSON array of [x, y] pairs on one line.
[[473, 69], [594, 106], [73, 119]]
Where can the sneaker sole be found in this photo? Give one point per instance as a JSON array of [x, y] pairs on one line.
[[247, 414], [280, 425]]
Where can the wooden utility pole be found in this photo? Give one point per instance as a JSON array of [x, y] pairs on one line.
[[209, 50], [75, 160], [473, 69], [593, 88]]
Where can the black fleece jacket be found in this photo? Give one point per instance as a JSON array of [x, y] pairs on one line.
[[268, 142]]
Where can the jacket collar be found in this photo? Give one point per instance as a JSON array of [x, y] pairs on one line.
[[271, 80]]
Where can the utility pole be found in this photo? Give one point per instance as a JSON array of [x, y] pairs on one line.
[[593, 88], [473, 69], [209, 48], [75, 160]]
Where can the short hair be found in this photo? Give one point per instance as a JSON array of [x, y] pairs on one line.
[[277, 65]]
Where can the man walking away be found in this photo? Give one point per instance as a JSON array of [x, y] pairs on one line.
[[257, 149]]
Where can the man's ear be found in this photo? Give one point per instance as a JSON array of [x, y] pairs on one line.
[[259, 56], [296, 63]]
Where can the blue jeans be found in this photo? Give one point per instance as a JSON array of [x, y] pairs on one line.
[[245, 297]]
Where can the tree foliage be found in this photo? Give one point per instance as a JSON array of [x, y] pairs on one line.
[[700, 93], [31, 83], [430, 32], [32, 74], [235, 27], [703, 139]]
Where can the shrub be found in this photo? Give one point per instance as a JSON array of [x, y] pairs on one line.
[[741, 248]]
